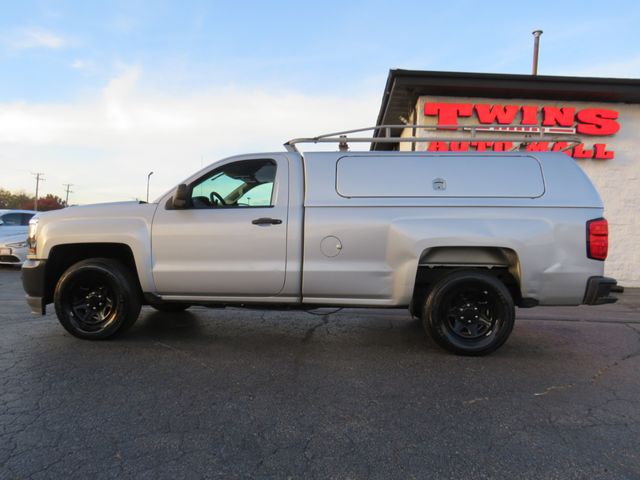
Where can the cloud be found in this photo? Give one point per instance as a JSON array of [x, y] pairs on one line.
[[106, 143], [36, 38], [81, 65]]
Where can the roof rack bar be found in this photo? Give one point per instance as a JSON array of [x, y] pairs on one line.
[[528, 133]]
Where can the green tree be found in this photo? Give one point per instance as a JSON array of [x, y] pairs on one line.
[[21, 200], [46, 203], [13, 200], [5, 198]]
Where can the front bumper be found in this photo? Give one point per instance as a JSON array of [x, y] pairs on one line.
[[33, 282], [598, 290], [10, 260]]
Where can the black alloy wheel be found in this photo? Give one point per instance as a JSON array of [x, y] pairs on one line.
[[469, 313], [97, 298]]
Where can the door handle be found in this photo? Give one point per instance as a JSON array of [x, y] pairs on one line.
[[266, 221]]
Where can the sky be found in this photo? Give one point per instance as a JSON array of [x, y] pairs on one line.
[[99, 94]]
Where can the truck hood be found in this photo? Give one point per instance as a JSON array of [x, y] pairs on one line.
[[102, 210], [124, 223]]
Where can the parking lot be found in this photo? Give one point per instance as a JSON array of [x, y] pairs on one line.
[[355, 394]]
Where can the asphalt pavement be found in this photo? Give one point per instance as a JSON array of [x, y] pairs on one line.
[[352, 395]]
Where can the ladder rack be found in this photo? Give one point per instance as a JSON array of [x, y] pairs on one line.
[[528, 133]]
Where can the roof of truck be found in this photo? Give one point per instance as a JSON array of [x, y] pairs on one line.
[[332, 180]]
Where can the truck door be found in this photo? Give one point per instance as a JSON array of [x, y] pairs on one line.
[[231, 239]]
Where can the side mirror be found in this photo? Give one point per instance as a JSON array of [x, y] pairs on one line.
[[181, 196], [1, 222]]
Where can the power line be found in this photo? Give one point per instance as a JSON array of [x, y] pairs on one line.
[[39, 178]]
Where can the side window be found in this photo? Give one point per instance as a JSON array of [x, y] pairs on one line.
[[11, 219], [247, 183], [26, 217]]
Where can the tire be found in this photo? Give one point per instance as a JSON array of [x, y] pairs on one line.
[[416, 308], [170, 307], [97, 298], [469, 313]]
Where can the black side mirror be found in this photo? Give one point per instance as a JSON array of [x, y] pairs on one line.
[[181, 196]]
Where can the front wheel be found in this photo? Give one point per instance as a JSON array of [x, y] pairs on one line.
[[469, 313], [97, 298]]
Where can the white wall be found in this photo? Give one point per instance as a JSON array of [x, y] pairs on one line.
[[617, 180]]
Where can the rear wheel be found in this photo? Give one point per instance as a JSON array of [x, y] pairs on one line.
[[469, 313], [416, 307], [97, 298]]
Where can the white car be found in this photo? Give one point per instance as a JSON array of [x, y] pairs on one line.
[[14, 222], [13, 249]]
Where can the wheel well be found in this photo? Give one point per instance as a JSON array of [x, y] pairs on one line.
[[438, 262], [62, 257]]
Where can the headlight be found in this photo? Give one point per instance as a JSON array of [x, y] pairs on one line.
[[31, 239], [17, 244]]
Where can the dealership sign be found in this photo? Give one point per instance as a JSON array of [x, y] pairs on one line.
[[528, 119]]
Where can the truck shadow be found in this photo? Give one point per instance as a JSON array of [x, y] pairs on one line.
[[261, 330], [273, 331]]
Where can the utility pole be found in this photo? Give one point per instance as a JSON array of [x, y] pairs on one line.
[[66, 200], [536, 49], [39, 178], [148, 177]]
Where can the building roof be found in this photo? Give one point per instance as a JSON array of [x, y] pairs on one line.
[[405, 86]]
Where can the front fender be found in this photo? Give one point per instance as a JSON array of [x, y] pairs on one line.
[[132, 231]]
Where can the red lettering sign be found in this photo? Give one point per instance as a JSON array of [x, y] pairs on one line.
[[520, 118], [597, 121], [538, 147], [529, 115], [599, 150], [448, 113], [590, 121], [554, 116], [504, 115]]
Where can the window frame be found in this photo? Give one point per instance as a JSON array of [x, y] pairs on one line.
[[18, 216], [26, 217], [211, 173]]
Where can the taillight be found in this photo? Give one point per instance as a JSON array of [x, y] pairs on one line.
[[597, 239]]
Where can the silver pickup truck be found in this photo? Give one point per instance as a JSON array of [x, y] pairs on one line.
[[458, 238]]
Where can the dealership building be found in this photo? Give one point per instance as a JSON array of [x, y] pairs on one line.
[[594, 120]]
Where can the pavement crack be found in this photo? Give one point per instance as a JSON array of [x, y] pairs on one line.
[[187, 355], [636, 352], [475, 400], [633, 354], [554, 387], [310, 332]]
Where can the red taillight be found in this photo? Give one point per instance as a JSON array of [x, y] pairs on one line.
[[597, 239]]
